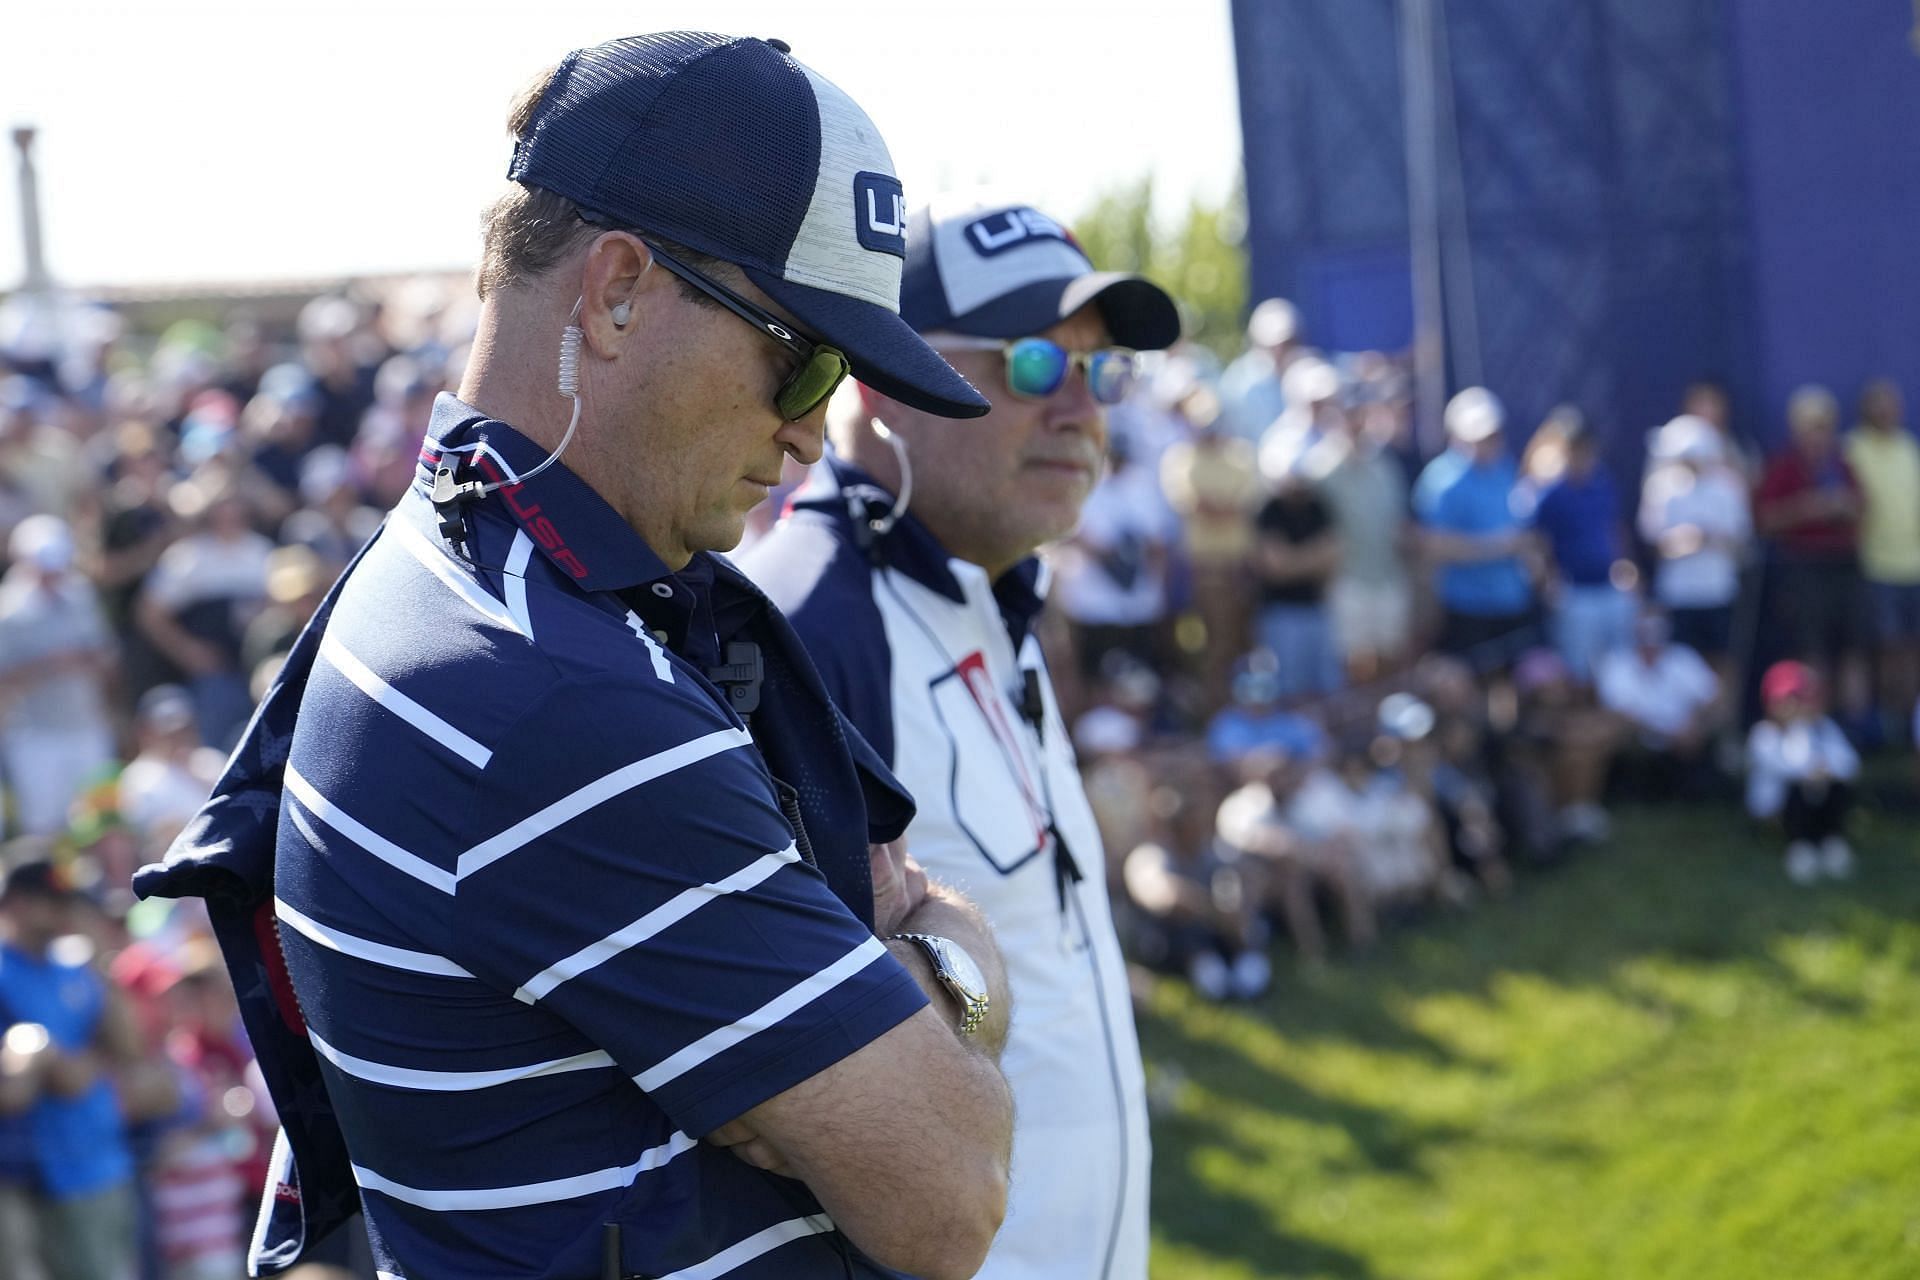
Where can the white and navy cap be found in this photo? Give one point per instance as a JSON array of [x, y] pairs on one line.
[[730, 147], [996, 270]]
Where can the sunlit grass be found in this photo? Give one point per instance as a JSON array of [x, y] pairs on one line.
[[1661, 1061]]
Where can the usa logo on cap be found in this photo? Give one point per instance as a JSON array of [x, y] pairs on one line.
[[880, 213]]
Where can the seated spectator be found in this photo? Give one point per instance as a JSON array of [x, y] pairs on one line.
[[1694, 514], [1256, 721], [1571, 742], [1451, 765], [1196, 902], [169, 778], [1885, 460], [1578, 514], [1257, 821], [56, 657], [1470, 532], [1809, 504], [201, 596], [1800, 771], [1391, 830], [1672, 702], [1297, 551]]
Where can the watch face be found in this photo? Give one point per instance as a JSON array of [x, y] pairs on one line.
[[966, 974]]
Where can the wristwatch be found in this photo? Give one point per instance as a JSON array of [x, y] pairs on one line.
[[957, 973]]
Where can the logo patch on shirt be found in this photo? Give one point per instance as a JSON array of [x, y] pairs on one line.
[[1011, 228], [880, 213]]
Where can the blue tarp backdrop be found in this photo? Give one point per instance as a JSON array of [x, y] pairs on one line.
[[1632, 193]]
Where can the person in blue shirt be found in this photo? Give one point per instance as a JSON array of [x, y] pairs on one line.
[[1472, 533], [568, 918], [73, 1035], [1578, 517]]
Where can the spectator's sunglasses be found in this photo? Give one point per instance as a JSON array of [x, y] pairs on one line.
[[818, 368], [1037, 367]]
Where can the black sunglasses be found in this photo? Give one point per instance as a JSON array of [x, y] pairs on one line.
[[818, 369]]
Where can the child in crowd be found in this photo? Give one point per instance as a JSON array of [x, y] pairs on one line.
[[1801, 770]]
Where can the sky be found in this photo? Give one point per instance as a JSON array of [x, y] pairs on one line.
[[199, 142]]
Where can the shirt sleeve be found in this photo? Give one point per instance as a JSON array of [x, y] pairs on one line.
[[645, 888]]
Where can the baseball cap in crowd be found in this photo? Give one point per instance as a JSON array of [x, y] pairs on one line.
[[1688, 439], [1474, 415], [165, 708], [731, 147], [39, 878], [990, 269], [1788, 680], [43, 541]]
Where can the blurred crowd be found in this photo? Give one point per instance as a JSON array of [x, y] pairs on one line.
[[1319, 684]]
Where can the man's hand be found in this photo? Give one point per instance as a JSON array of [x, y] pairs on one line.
[[899, 886]]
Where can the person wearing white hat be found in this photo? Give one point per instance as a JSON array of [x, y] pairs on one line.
[[1472, 535], [55, 658], [1695, 515]]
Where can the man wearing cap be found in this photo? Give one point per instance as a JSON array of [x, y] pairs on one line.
[[908, 565], [55, 656], [1471, 532], [598, 979]]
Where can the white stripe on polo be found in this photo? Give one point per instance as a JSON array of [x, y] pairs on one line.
[[366, 949], [437, 562], [661, 667], [515, 577], [753, 1246], [358, 832], [452, 1081], [767, 1015], [598, 792], [369, 682], [485, 1198], [673, 910]]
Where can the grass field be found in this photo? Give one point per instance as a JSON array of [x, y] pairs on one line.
[[1659, 1061]]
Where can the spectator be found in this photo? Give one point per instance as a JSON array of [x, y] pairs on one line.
[[1801, 771], [1369, 598], [55, 661], [1708, 401], [1672, 701], [1313, 412], [1298, 862], [1113, 572], [1569, 741], [332, 520], [41, 467], [85, 1210], [1809, 504], [1578, 513], [1250, 391], [1297, 552], [196, 605], [1256, 721], [1885, 460], [1211, 483], [136, 526], [1694, 515], [168, 780], [1198, 900], [297, 580], [1464, 501]]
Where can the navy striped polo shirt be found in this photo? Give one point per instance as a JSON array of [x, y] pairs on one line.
[[543, 915]]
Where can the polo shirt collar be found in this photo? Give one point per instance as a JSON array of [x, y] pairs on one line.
[[582, 536], [845, 492]]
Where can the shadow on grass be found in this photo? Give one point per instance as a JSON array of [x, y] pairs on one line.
[[1699, 888]]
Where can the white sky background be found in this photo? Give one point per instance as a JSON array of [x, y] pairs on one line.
[[231, 140]]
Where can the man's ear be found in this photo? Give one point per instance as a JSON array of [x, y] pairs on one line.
[[617, 285]]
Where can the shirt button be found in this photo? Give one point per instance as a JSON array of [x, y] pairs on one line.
[[662, 590]]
